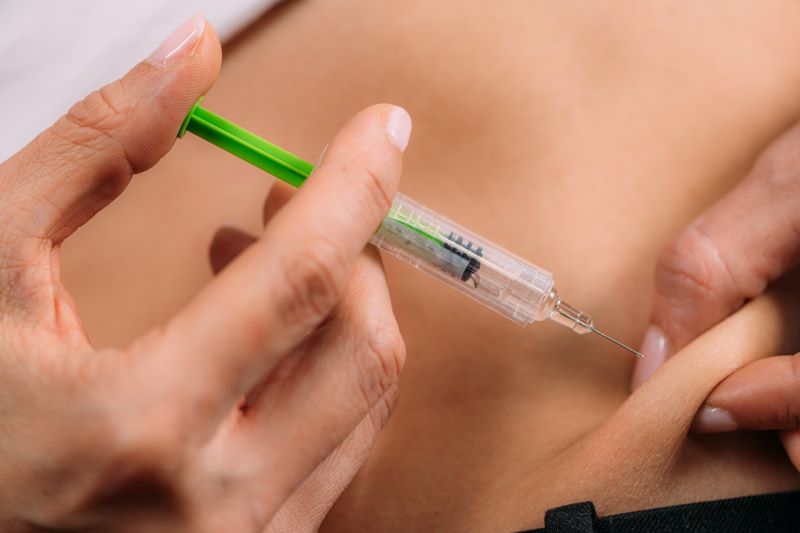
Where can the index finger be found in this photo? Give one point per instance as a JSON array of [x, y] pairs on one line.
[[277, 291], [730, 253]]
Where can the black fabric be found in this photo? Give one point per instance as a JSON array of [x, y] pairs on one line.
[[767, 513]]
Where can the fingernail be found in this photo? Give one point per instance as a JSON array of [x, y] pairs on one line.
[[181, 44], [398, 127], [713, 420], [656, 348]]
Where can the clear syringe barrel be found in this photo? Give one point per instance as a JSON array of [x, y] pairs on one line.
[[498, 279], [480, 269]]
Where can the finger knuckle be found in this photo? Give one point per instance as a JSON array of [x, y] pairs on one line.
[[382, 410], [373, 194], [789, 418], [103, 111], [377, 188], [690, 267], [89, 131], [313, 282], [383, 355]]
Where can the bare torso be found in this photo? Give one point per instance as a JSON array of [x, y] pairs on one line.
[[578, 135]]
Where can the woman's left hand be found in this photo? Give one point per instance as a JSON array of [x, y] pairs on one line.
[[725, 257]]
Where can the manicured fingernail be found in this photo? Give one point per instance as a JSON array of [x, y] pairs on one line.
[[181, 44], [656, 348], [713, 420], [398, 127]]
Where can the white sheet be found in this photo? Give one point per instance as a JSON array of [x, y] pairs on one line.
[[55, 52]]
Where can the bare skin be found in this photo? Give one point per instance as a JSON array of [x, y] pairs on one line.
[[191, 427], [608, 128]]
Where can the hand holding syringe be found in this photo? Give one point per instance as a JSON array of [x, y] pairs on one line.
[[501, 281]]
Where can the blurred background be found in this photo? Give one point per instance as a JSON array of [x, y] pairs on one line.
[[55, 53]]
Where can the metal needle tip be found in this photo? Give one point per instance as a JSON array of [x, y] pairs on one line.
[[618, 343]]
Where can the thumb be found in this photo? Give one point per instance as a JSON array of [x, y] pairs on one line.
[[85, 160], [728, 255], [763, 395]]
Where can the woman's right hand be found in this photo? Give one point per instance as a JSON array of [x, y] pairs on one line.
[[273, 381], [727, 256]]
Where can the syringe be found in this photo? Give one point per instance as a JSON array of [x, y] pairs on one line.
[[418, 236]]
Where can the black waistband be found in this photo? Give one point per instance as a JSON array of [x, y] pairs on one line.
[[767, 513]]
